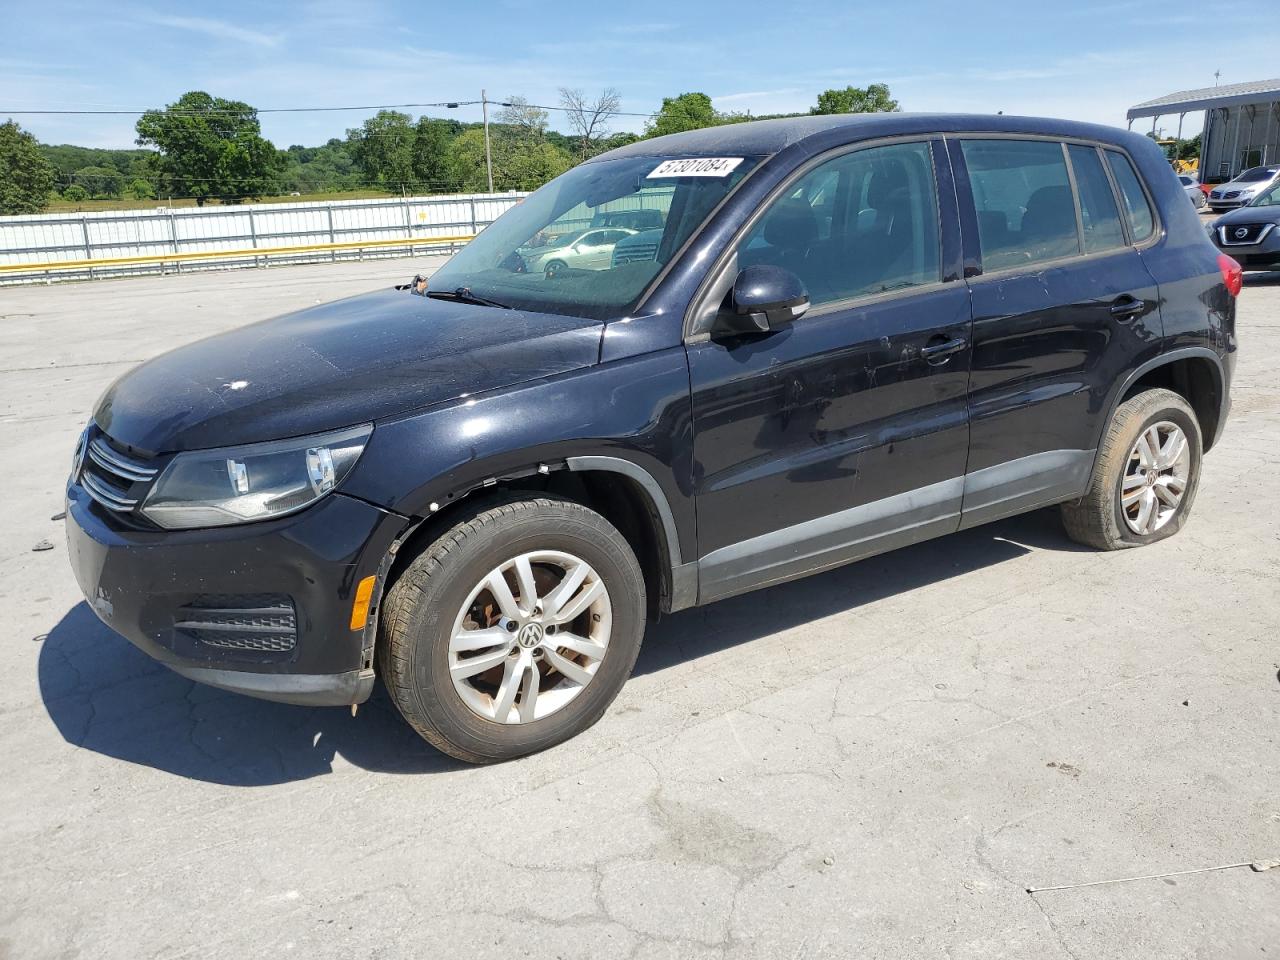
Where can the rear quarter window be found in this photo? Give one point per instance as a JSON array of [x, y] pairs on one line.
[[1142, 221]]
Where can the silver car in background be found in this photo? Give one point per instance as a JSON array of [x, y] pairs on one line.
[[1242, 189], [582, 250], [1192, 186]]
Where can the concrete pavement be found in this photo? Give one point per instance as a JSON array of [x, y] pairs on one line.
[[873, 762]]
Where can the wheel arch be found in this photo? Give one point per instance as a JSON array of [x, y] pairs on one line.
[[1194, 373], [621, 490]]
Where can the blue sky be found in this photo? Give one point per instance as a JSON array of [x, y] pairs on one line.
[[1086, 60]]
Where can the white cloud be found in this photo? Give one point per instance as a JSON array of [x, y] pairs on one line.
[[754, 95], [215, 28]]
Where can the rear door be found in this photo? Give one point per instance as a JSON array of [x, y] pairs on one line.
[[845, 433], [1063, 306]]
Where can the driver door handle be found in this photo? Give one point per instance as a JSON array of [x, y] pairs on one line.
[[942, 351]]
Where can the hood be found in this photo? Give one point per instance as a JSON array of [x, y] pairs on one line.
[[1244, 187], [1267, 214], [358, 360]]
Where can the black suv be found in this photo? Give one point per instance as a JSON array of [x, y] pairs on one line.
[[854, 333]]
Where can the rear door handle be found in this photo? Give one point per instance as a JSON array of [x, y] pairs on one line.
[[940, 352], [1127, 307]]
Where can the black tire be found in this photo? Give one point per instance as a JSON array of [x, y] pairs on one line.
[[555, 268], [421, 606], [1097, 519]]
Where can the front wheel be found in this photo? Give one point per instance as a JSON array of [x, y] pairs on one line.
[[1145, 478], [514, 630]]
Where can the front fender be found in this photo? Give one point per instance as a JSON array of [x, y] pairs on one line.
[[636, 411]]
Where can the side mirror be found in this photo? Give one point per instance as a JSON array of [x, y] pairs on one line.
[[764, 298]]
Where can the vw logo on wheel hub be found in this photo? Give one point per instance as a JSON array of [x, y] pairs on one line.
[[530, 635]]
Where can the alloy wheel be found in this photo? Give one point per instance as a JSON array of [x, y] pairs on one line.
[[530, 637], [1155, 478]]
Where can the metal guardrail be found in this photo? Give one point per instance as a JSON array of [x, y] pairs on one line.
[[252, 253], [48, 248]]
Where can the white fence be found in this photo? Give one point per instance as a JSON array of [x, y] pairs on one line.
[[46, 247]]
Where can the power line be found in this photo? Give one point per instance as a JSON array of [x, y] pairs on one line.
[[449, 104], [611, 113]]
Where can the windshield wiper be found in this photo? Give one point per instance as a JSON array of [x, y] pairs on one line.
[[464, 295]]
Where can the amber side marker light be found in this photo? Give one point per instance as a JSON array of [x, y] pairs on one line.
[[360, 609]]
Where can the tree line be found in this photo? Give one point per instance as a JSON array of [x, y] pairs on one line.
[[209, 148]]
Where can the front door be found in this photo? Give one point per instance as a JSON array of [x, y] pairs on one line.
[[845, 433], [595, 250]]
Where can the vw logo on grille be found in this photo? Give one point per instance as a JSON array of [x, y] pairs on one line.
[[530, 635], [1241, 232]]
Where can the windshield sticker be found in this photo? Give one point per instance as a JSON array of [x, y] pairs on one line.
[[695, 167]]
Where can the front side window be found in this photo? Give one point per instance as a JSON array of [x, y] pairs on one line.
[[592, 240], [1026, 213], [1137, 210], [1099, 218], [862, 223]]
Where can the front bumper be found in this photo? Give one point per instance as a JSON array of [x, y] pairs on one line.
[[149, 586], [1264, 255]]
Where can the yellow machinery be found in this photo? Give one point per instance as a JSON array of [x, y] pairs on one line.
[[1179, 166]]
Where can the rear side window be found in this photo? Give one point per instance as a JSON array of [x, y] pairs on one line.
[[1026, 213], [1137, 209], [1099, 217], [859, 224]]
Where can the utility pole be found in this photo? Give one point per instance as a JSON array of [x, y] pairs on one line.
[[488, 156]]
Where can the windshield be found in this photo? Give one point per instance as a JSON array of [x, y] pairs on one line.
[[1269, 197], [589, 242], [1256, 173]]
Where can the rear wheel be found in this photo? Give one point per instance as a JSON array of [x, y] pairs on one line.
[[514, 630], [1146, 476]]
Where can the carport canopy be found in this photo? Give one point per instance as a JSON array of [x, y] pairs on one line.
[[1208, 98], [1241, 124]]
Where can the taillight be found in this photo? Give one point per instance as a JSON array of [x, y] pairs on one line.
[[1232, 274]]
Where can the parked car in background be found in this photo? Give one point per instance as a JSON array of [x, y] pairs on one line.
[[854, 333], [1228, 196], [1194, 192], [1251, 234], [631, 219], [637, 247], [581, 250]]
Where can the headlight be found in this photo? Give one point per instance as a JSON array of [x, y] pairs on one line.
[[258, 481]]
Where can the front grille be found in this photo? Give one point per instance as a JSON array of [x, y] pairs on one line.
[[635, 252], [1231, 196], [115, 480], [1243, 234], [260, 622]]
